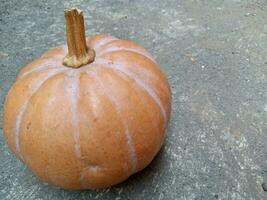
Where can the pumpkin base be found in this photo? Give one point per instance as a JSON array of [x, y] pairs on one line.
[[76, 62]]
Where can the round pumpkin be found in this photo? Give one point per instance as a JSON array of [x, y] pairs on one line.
[[92, 120]]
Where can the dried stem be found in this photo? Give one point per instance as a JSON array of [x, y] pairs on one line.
[[78, 53]]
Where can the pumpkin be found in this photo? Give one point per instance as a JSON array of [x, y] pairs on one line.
[[88, 114]]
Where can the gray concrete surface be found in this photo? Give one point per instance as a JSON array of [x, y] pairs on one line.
[[215, 56]]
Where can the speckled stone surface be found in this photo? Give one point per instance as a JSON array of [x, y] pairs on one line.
[[215, 56]]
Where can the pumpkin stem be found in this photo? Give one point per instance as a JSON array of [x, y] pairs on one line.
[[78, 53]]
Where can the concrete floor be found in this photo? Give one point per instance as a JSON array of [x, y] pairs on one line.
[[215, 56]]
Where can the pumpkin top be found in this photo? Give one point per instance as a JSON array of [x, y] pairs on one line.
[[78, 53]]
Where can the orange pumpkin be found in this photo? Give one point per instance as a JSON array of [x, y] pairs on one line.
[[92, 121]]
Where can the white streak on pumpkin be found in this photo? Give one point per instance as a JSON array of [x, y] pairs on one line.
[[65, 49], [24, 106], [142, 83], [73, 82], [43, 66], [18, 122], [102, 42], [129, 138], [121, 48]]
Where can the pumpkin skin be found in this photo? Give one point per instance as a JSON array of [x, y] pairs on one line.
[[93, 126]]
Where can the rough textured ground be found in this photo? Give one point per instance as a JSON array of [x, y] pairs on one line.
[[215, 56]]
